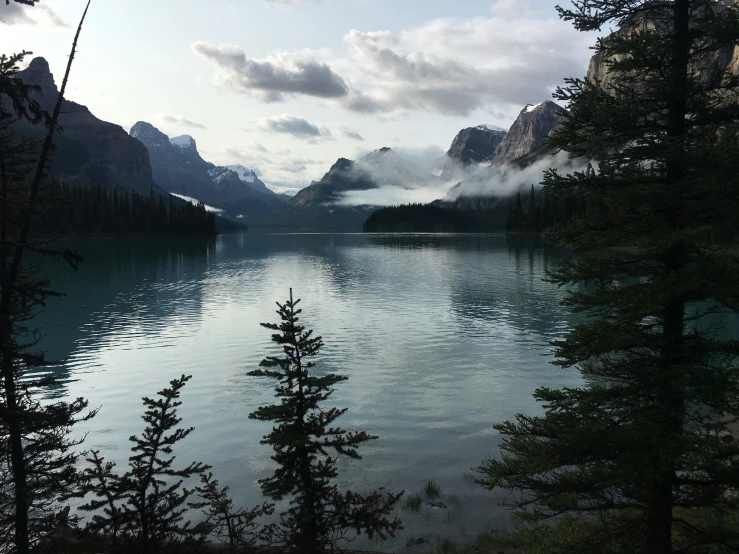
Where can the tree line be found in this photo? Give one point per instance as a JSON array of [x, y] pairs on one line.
[[95, 210], [424, 218], [543, 210]]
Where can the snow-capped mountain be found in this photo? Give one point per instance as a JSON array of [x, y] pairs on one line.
[[183, 141], [249, 176], [178, 167]]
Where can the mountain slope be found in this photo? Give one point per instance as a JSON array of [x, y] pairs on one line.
[[88, 151], [320, 203], [472, 145], [179, 168], [529, 131]]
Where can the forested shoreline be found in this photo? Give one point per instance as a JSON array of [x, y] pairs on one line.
[[97, 211]]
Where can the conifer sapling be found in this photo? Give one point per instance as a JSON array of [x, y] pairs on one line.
[[307, 446]]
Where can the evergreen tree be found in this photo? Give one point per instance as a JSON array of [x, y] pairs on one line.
[[235, 527], [37, 457], [641, 450], [307, 445], [518, 213], [146, 505], [531, 219]]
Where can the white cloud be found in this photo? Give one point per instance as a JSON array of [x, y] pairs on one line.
[[15, 13], [273, 78], [444, 66], [389, 196], [292, 125]]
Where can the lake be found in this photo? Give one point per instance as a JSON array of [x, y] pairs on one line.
[[441, 336]]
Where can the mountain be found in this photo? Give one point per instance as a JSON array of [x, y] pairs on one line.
[[472, 145], [178, 167], [319, 204], [88, 151], [528, 132], [249, 177], [343, 176]]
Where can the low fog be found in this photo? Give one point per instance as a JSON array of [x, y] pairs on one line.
[[399, 185]]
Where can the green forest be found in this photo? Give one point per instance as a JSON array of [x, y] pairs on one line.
[[429, 218], [82, 211], [543, 210]]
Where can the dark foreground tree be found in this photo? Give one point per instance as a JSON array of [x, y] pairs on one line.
[[307, 446], [642, 450], [37, 458], [235, 527], [146, 506]]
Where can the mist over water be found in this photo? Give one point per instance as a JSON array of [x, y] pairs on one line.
[[441, 336]]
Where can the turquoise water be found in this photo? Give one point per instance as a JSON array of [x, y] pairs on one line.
[[441, 336]]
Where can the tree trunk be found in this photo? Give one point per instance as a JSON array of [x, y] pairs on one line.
[[671, 384], [17, 458], [669, 434]]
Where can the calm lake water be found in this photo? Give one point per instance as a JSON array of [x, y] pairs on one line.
[[441, 336]]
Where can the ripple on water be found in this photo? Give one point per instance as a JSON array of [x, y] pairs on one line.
[[440, 336]]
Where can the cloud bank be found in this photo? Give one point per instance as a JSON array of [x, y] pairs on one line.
[[479, 180], [444, 66]]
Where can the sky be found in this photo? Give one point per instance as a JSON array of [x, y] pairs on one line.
[[286, 87]]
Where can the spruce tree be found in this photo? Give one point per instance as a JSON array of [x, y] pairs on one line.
[[306, 448], [641, 450], [145, 506], [234, 527]]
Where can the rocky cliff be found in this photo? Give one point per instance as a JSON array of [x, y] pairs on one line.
[[529, 131], [476, 144], [713, 63], [472, 145], [88, 150]]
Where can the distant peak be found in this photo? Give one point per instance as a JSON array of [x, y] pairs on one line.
[[38, 73], [491, 128], [342, 164], [531, 107], [385, 149], [39, 64], [546, 104], [142, 125], [183, 141], [244, 173], [148, 134]]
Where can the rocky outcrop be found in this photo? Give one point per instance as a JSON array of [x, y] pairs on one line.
[[712, 64], [529, 131], [88, 150], [471, 145], [476, 144]]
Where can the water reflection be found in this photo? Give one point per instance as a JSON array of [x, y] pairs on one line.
[[125, 289], [441, 336]]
